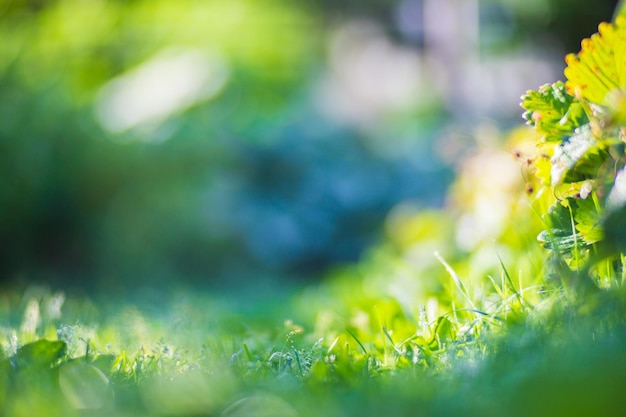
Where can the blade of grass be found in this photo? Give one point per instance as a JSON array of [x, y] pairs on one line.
[[509, 280], [295, 353], [332, 345], [393, 344], [496, 287], [357, 340], [248, 353], [455, 278]]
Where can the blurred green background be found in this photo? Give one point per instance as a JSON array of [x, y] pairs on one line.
[[231, 144]]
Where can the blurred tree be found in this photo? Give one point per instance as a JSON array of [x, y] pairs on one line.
[[566, 21], [251, 181]]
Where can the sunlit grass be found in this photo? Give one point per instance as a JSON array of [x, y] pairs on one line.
[[437, 329], [194, 359]]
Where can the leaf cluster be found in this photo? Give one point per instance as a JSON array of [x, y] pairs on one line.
[[580, 157]]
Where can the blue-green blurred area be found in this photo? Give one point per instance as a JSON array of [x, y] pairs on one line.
[[230, 143]]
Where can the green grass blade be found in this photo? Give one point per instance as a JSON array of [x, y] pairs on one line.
[[357, 340], [455, 278], [509, 280]]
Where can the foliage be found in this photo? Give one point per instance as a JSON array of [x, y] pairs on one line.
[[189, 198], [218, 360], [580, 155]]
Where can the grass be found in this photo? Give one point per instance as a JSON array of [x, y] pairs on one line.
[[418, 327], [200, 356], [408, 331]]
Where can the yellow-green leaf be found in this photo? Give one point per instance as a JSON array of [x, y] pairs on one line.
[[600, 67], [552, 111]]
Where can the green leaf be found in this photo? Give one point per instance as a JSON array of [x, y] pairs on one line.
[[600, 67], [588, 221], [40, 354], [560, 240], [559, 217], [552, 111], [84, 386], [104, 362], [577, 158], [560, 236], [614, 223], [445, 330]]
